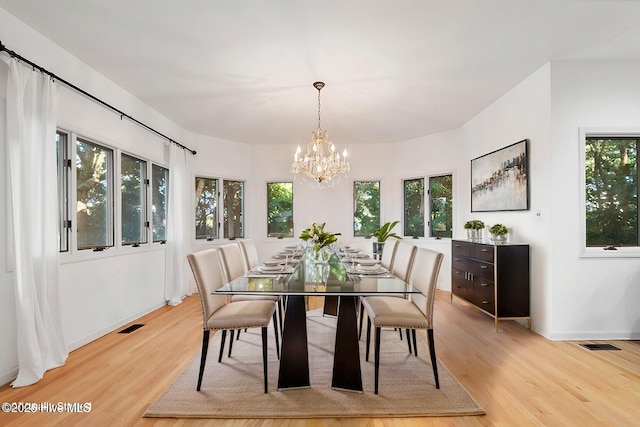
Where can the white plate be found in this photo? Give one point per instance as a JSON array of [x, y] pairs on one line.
[[270, 268], [368, 262], [273, 263], [373, 272], [373, 267]]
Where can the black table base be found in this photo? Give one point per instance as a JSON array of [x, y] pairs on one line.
[[294, 359]]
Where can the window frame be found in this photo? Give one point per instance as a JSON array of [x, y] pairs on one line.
[[64, 168], [423, 206], [354, 206], [152, 224], [599, 251], [268, 183], [68, 203], [110, 195], [427, 203], [144, 200], [216, 210], [225, 211]]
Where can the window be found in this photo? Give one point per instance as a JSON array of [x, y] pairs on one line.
[[440, 201], [206, 208], [611, 190], [233, 208], [94, 195], [414, 207], [64, 171], [280, 209], [366, 204], [159, 187], [441, 205], [133, 183]]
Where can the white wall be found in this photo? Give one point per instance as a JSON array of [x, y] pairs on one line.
[[592, 298]]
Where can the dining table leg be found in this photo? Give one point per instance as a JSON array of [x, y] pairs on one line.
[[347, 374], [294, 354]]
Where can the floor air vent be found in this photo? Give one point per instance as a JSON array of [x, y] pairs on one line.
[[131, 328], [599, 347]]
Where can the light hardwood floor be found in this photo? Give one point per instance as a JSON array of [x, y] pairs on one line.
[[520, 378]]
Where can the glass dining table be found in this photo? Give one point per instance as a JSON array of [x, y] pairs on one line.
[[331, 279]]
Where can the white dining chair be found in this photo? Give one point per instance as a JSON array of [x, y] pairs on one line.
[[410, 314], [217, 314]]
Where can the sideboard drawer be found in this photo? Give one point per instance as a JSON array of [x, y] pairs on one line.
[[484, 252], [482, 270], [461, 249]]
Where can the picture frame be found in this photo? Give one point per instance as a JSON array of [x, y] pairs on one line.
[[500, 179]]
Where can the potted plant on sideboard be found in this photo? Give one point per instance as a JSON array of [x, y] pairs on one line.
[[381, 235], [474, 229], [498, 232]]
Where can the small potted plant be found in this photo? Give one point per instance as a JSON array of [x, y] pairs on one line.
[[381, 235], [498, 232], [474, 229]]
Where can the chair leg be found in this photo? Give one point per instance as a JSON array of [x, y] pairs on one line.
[[264, 359], [377, 359], [408, 340], [432, 351], [368, 338], [415, 343], [361, 317], [400, 332], [203, 357], [275, 330], [224, 337], [231, 341]]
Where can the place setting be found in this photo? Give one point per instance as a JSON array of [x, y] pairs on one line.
[[369, 268]]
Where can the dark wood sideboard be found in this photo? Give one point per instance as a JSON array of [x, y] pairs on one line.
[[493, 277]]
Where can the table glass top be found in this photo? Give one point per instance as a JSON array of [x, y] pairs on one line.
[[317, 278]]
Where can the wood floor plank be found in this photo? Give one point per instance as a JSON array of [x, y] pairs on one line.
[[519, 377]]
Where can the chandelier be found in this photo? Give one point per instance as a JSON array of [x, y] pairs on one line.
[[316, 166]]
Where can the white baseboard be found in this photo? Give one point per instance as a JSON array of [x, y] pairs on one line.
[[8, 376]]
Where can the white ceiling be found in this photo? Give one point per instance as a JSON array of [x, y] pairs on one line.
[[243, 70]]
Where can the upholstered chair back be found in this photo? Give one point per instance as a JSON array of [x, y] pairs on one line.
[[388, 251], [424, 277], [249, 254], [231, 260], [207, 272], [403, 259]]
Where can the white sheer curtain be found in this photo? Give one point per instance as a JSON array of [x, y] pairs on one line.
[[176, 286], [33, 206]]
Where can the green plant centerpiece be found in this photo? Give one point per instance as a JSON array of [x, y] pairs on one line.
[[498, 232], [474, 229], [318, 237], [381, 235]]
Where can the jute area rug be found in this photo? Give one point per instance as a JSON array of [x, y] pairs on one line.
[[234, 388]]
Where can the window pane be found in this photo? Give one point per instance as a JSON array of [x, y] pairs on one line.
[[132, 180], [159, 181], [414, 207], [233, 208], [206, 208], [366, 213], [441, 205], [62, 147], [611, 191], [280, 209], [94, 169]]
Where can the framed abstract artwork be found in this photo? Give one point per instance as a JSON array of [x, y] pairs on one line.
[[500, 180]]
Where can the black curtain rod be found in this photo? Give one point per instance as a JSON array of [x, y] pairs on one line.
[[92, 97]]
